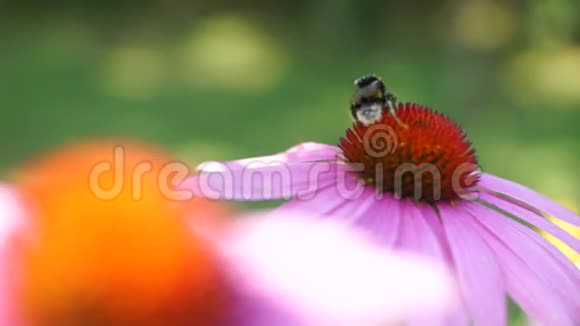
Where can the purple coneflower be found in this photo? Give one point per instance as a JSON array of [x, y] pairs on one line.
[[413, 181]]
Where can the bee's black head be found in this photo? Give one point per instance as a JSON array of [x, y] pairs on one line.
[[367, 80]]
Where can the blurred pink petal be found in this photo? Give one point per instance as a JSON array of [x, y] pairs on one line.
[[11, 217], [327, 273]]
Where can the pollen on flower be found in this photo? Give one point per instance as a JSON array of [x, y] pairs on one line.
[[428, 158]]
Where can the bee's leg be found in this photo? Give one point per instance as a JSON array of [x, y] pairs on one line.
[[353, 112], [391, 106]]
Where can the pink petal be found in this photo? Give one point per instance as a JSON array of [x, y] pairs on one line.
[[416, 236], [529, 196], [537, 298], [297, 171], [534, 219], [546, 268], [11, 213], [325, 199], [377, 216], [11, 219], [479, 275], [387, 228], [327, 273], [564, 261], [534, 297], [355, 211], [431, 217], [5, 310]]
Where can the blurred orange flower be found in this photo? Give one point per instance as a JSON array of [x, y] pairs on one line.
[[119, 261]]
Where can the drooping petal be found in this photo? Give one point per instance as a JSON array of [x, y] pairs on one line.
[[523, 282], [416, 236], [380, 218], [432, 218], [529, 197], [328, 273], [388, 226], [355, 203], [355, 211], [564, 261], [530, 247], [480, 277], [534, 219], [297, 171], [327, 198]]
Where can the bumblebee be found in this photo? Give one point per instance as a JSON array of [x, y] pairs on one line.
[[371, 100]]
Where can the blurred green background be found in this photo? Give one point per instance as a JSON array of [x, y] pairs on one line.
[[225, 80]]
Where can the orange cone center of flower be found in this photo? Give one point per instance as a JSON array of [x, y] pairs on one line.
[[424, 156], [115, 261]]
